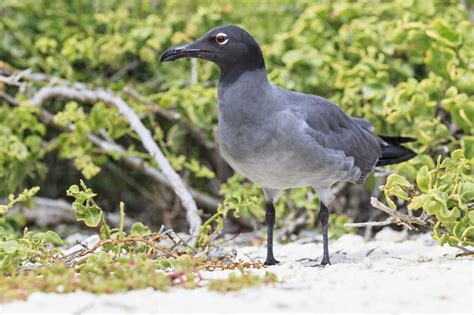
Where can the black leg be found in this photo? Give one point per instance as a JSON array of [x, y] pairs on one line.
[[270, 220], [323, 217]]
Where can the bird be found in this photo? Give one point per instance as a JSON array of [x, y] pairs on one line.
[[282, 139]]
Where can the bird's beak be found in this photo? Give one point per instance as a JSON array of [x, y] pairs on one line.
[[184, 51]]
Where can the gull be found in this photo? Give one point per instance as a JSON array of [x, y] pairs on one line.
[[282, 139]]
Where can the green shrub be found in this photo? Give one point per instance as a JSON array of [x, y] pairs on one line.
[[404, 65]]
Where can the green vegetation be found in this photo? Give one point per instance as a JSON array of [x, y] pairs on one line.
[[444, 192], [407, 66], [135, 260]]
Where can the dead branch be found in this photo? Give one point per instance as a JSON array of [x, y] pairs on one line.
[[35, 77], [390, 220], [7, 98], [395, 217], [80, 93], [127, 240], [400, 218], [195, 132], [93, 96], [139, 164], [202, 199], [406, 220]]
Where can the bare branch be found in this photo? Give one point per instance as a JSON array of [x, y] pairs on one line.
[[172, 116], [139, 164], [400, 218], [406, 220], [7, 98], [37, 77], [15, 78], [395, 217], [92, 96], [390, 220]]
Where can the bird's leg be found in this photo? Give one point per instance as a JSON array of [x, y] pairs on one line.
[[323, 217], [270, 220]]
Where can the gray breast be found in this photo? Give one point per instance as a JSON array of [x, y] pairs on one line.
[[269, 144]]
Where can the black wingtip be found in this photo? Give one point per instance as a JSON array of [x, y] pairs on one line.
[[397, 140], [394, 154]]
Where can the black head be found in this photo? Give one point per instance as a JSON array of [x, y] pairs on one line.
[[232, 48]]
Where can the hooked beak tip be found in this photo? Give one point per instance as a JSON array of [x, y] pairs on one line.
[[167, 55], [184, 51]]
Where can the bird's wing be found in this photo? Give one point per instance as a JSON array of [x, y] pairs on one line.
[[331, 128], [363, 123]]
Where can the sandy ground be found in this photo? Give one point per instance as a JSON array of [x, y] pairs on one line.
[[385, 275]]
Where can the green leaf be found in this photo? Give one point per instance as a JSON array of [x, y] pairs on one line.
[[439, 59], [468, 235], [139, 229], [417, 202], [91, 215], [471, 216], [441, 31], [53, 238], [10, 247], [423, 179], [467, 191]]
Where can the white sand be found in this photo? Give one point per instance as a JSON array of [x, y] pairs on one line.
[[409, 276]]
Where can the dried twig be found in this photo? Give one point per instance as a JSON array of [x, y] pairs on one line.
[[395, 217], [127, 241], [15, 78], [7, 98], [371, 223], [400, 218], [37, 77]]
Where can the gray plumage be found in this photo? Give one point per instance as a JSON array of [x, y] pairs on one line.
[[282, 139]]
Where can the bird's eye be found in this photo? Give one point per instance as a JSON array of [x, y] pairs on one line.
[[221, 39]]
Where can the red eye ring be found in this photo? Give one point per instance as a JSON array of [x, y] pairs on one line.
[[221, 39]]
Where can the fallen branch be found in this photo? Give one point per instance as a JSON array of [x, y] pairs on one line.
[[93, 96], [395, 217], [390, 220], [400, 218]]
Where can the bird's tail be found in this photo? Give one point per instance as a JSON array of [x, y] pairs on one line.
[[393, 152]]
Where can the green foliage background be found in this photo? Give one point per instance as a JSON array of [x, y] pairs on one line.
[[407, 66]]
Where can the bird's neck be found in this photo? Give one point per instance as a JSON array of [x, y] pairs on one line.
[[231, 71], [231, 74]]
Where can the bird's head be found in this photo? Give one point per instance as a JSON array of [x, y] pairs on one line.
[[227, 46]]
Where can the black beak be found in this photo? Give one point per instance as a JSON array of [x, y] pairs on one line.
[[183, 51]]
